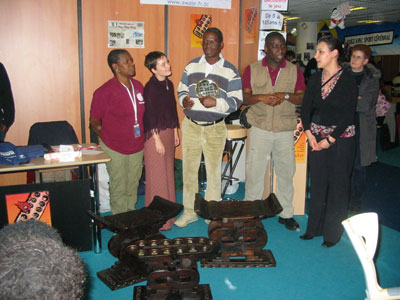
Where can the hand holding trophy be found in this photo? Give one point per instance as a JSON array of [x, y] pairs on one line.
[[207, 90]]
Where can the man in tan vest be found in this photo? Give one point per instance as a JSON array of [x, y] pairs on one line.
[[273, 87]]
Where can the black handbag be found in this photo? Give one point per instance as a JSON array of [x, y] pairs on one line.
[[243, 118]]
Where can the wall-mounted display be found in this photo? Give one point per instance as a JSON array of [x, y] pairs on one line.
[[125, 34]]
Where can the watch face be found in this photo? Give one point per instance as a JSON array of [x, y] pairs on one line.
[[287, 96]]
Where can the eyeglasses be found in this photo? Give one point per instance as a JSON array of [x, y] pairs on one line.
[[357, 57], [209, 43]]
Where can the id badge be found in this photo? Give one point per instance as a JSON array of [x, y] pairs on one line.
[[136, 130]]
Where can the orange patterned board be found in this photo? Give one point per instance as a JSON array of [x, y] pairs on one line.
[[199, 23], [22, 207]]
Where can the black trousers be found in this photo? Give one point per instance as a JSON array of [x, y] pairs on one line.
[[358, 179], [330, 179]]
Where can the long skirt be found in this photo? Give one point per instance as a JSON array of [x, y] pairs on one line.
[[160, 176]]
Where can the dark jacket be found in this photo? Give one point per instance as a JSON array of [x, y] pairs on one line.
[[7, 110], [366, 109]]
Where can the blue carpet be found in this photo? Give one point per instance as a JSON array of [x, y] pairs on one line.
[[304, 270], [382, 194], [390, 156]]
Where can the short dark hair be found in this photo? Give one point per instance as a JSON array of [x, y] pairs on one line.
[[364, 49], [114, 56], [272, 35], [290, 53], [217, 32], [333, 44], [151, 59], [32, 253]]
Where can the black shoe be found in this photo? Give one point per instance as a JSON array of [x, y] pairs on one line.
[[326, 244], [306, 237], [289, 223]]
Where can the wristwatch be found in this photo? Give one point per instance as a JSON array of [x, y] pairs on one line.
[[287, 96]]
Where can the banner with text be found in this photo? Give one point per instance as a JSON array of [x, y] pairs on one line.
[[371, 39], [223, 4], [385, 37]]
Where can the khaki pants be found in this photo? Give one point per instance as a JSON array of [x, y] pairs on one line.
[[211, 141], [124, 171], [280, 145]]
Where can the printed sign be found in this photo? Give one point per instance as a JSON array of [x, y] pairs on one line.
[[277, 5], [300, 143], [271, 20], [376, 38]]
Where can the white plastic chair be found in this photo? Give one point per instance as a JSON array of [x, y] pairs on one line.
[[363, 231]]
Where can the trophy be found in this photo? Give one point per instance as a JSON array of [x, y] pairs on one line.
[[207, 87]]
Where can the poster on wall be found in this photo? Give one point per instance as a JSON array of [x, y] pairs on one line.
[[198, 25], [277, 5], [261, 42], [224, 4], [271, 20], [250, 32], [125, 34], [25, 206], [300, 143]]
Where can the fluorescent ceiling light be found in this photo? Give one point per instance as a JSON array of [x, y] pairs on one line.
[[354, 8], [291, 18], [370, 21]]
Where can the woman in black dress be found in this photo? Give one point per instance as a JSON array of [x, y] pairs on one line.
[[328, 111]]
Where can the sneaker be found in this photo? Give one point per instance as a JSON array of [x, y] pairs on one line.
[[289, 223], [185, 219]]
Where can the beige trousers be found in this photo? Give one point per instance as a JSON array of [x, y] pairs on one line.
[[124, 171], [211, 141], [279, 145]]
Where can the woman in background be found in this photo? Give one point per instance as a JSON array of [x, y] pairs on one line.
[[327, 113], [367, 80], [116, 115], [161, 131]]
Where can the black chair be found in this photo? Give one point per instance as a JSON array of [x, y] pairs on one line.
[[51, 134]]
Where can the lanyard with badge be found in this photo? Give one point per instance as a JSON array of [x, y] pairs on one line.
[[136, 127]]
